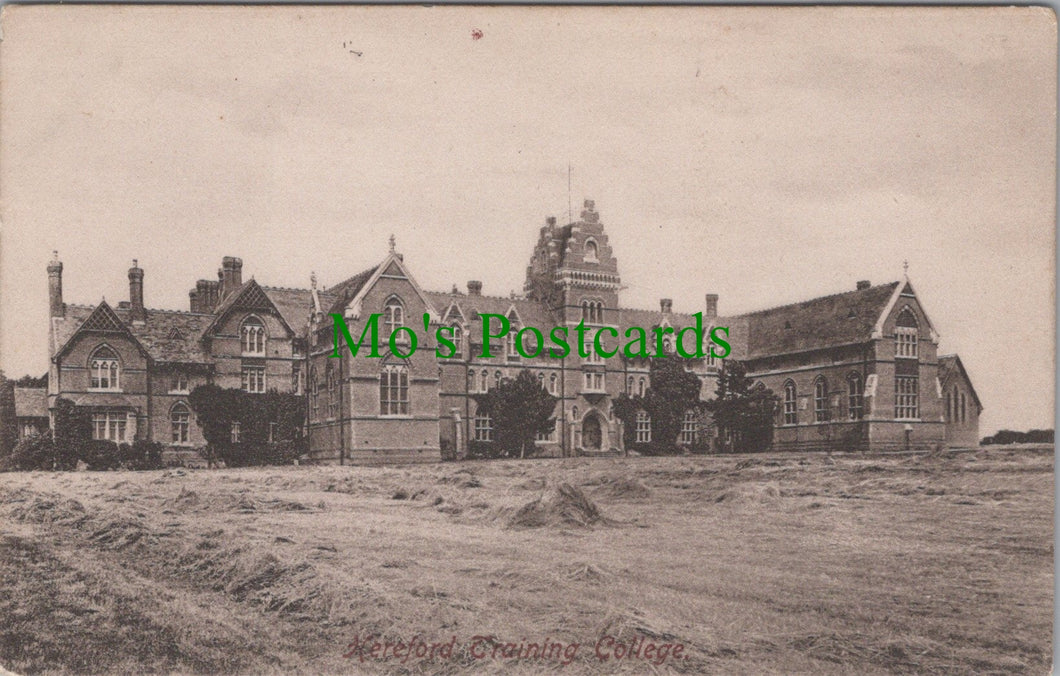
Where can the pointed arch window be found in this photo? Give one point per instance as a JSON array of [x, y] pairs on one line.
[[253, 336], [105, 369], [791, 410], [641, 387], [552, 383], [179, 418], [393, 314], [855, 397], [820, 400], [394, 390], [592, 251], [472, 381], [484, 382]]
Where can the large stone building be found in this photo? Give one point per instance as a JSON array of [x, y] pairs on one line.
[[853, 370]]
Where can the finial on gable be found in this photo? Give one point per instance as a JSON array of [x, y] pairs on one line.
[[905, 268], [393, 243]]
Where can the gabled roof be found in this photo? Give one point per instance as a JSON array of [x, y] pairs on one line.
[[101, 319], [951, 365], [294, 305], [336, 297], [250, 295], [165, 335], [31, 402], [819, 323], [530, 312], [392, 265]]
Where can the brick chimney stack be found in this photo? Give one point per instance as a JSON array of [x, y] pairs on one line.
[[863, 284], [666, 305], [136, 294], [711, 311], [55, 287], [474, 288], [232, 275]]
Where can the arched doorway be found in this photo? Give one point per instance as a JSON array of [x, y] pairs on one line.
[[591, 433]]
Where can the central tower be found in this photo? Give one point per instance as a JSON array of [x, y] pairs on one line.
[[573, 271]]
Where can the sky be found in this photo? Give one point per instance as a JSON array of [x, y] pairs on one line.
[[768, 155]]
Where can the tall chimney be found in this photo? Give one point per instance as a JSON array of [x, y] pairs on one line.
[[193, 300], [474, 288], [863, 284], [232, 268], [666, 305], [136, 294], [711, 310], [55, 286]]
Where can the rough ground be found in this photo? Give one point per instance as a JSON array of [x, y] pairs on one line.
[[764, 564]]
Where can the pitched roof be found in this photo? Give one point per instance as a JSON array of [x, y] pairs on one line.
[[294, 305], [166, 335], [31, 402], [334, 298], [531, 312], [818, 323], [951, 365]]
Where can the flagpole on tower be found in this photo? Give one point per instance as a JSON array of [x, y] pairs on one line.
[[570, 208]]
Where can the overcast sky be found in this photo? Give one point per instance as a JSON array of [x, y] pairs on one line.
[[767, 155]]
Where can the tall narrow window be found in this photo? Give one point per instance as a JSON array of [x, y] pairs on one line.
[[394, 390], [457, 336], [629, 386], [643, 427], [855, 397], [314, 393], [791, 404], [591, 251], [236, 433], [949, 412], [905, 335], [511, 352], [689, 426], [906, 397], [820, 400], [962, 407], [253, 333], [552, 383], [641, 387], [179, 416], [104, 369], [393, 315], [483, 427], [484, 382], [497, 378], [472, 382], [333, 394]]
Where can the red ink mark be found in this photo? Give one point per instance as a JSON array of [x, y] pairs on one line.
[[476, 34]]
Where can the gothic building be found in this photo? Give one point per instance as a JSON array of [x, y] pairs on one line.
[[853, 370]]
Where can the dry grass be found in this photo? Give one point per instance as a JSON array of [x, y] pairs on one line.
[[781, 564]]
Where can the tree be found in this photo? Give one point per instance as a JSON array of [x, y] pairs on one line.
[[673, 392], [743, 411], [520, 410]]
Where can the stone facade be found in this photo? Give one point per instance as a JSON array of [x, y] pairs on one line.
[[854, 370]]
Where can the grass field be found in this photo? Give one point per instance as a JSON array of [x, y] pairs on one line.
[[753, 565]]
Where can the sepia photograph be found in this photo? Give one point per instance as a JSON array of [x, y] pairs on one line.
[[527, 339]]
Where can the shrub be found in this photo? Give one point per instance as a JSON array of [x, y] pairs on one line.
[[36, 452]]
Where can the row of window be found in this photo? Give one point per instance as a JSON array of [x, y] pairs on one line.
[[956, 406], [906, 399]]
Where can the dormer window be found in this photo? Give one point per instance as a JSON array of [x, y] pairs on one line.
[[253, 333], [179, 383], [104, 369]]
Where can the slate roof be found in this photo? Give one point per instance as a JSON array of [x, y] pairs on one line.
[[294, 305], [819, 323], [531, 313], [951, 365], [166, 335], [31, 402], [334, 298]]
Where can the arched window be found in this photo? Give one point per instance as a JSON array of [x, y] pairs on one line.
[[591, 251], [179, 417], [484, 386], [641, 387], [855, 397], [472, 382], [497, 378], [541, 380], [393, 314], [333, 394], [791, 410], [905, 335], [104, 369], [629, 386], [394, 390], [253, 334], [820, 400], [592, 311], [552, 384]]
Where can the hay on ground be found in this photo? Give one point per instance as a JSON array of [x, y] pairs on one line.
[[564, 505], [623, 488]]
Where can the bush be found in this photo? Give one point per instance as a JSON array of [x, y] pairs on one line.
[[36, 452]]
